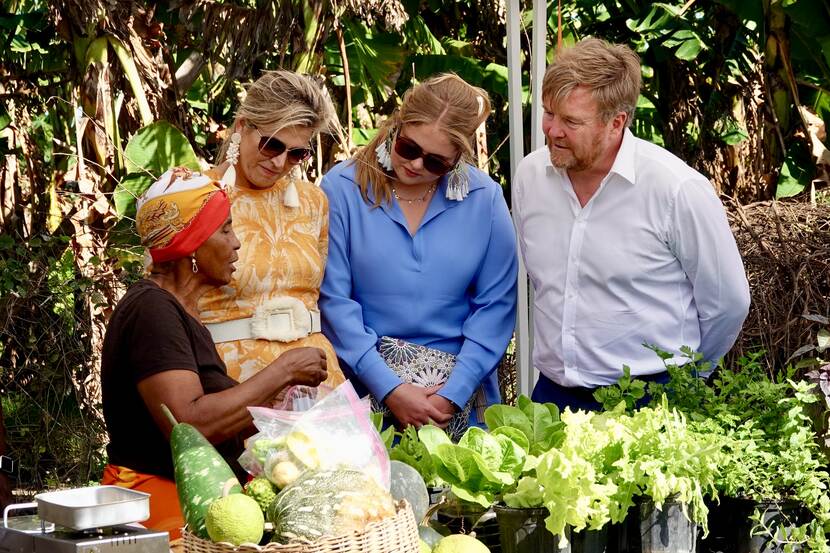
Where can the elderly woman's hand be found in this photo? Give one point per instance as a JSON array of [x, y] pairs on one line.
[[304, 366]]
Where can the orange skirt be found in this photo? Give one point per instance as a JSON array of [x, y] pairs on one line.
[[165, 513]]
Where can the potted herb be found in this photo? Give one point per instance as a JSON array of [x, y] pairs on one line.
[[772, 468]]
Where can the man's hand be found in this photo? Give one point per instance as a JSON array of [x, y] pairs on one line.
[[410, 405]]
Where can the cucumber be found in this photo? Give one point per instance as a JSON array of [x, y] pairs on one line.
[[202, 475]]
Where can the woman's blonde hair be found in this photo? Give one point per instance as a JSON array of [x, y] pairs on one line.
[[458, 109], [610, 71], [282, 99]]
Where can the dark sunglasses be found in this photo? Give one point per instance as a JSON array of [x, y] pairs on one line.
[[271, 146], [409, 149]]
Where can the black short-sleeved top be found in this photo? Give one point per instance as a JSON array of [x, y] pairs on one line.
[[151, 332]]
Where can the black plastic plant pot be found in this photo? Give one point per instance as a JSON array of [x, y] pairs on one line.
[[779, 518], [522, 530], [666, 530], [727, 521], [464, 518], [590, 541]]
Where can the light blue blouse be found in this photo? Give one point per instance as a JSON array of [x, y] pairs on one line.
[[451, 286]]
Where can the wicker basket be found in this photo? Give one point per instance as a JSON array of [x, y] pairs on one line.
[[398, 533]]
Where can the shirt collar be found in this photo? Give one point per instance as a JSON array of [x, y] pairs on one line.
[[624, 163]]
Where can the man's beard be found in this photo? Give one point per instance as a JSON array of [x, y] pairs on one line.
[[569, 160]]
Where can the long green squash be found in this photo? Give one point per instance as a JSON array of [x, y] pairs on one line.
[[202, 475]]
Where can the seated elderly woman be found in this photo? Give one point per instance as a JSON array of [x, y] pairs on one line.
[[157, 352]]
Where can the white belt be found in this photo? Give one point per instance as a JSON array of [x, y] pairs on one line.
[[282, 319]]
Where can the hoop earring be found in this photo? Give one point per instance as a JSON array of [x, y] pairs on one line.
[[384, 150], [193, 264], [232, 157], [458, 182]]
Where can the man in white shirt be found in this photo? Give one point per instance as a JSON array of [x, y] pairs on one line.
[[624, 243]]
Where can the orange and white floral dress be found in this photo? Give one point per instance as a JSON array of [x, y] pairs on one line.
[[283, 253]]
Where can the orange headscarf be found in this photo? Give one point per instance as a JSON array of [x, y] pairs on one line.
[[178, 213]]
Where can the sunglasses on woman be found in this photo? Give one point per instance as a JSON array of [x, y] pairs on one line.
[[271, 146], [410, 150]]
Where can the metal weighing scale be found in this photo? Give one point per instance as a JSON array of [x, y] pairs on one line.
[[98, 519]]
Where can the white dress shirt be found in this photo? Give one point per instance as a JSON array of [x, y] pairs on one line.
[[649, 259]]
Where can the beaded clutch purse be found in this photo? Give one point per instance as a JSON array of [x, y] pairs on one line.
[[422, 366]]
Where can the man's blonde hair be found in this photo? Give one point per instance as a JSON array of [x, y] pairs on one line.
[[610, 71], [458, 108], [282, 99]]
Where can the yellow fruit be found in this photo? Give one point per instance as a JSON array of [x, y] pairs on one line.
[[460, 543], [303, 448]]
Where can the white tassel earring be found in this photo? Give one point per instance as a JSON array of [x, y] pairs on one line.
[[458, 182], [232, 157], [290, 198], [384, 150]]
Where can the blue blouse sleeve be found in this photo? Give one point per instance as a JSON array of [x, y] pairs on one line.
[[342, 317], [492, 318]]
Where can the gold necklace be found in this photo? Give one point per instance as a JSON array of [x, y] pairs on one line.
[[413, 200]]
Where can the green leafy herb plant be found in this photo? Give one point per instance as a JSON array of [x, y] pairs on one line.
[[769, 447]]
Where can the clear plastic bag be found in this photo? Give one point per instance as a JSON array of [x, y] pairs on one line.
[[335, 431], [301, 398]]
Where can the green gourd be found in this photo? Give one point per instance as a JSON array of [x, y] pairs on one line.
[[202, 475]]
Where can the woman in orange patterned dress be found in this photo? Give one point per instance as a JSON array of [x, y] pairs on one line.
[[270, 306]]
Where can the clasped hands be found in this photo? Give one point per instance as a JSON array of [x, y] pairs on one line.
[[417, 406]]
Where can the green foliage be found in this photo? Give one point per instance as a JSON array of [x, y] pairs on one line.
[[768, 449], [413, 452], [608, 459], [538, 424], [374, 58], [53, 434], [627, 390], [796, 173], [153, 150], [479, 467], [712, 50]]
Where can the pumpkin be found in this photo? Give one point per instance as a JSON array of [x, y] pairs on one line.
[[327, 503]]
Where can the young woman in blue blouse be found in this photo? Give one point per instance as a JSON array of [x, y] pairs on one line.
[[422, 252]]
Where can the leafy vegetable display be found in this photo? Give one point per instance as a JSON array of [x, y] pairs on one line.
[[741, 434], [537, 428], [769, 448], [479, 466], [608, 459]]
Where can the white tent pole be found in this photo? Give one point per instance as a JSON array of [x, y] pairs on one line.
[[524, 366], [538, 63], [537, 70]]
